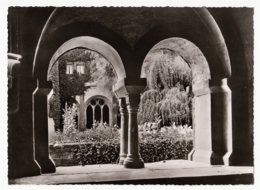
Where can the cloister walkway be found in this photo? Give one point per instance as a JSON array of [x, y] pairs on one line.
[[168, 172]]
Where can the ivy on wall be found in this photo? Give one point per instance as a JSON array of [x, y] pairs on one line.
[[67, 86], [54, 102]]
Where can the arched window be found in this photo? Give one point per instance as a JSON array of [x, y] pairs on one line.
[[89, 113], [99, 111], [105, 114]]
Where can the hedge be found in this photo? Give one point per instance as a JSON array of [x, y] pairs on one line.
[[102, 145], [108, 153]]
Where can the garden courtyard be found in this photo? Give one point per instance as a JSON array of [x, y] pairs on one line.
[[101, 145], [87, 120], [131, 95]]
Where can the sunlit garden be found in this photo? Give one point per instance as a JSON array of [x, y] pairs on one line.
[[164, 117]]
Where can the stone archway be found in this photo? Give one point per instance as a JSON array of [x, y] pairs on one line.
[[202, 26], [211, 105], [96, 45], [44, 87], [129, 84], [213, 142], [92, 44]]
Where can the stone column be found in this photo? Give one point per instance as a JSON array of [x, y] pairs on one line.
[[212, 123], [202, 142], [132, 94], [40, 126], [21, 159], [124, 130], [133, 159], [82, 125], [221, 119]]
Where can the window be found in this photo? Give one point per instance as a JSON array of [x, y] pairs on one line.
[[80, 69], [97, 110], [69, 68]]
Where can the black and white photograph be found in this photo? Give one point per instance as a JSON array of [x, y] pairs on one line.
[[130, 95]]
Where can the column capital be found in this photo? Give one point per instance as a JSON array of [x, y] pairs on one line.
[[123, 106], [133, 101], [119, 89], [122, 102], [123, 87], [210, 87], [220, 87], [43, 88], [44, 84]]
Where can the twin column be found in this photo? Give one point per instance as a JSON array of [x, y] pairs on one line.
[[129, 145]]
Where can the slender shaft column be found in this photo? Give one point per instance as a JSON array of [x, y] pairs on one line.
[[124, 130], [133, 159], [40, 125], [93, 109], [101, 108], [221, 118], [82, 125]]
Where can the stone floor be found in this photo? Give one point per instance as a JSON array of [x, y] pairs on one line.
[[169, 172]]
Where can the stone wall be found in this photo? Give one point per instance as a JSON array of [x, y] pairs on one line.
[[64, 155]]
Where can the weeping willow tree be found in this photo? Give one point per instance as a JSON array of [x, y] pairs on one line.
[[165, 68], [168, 77], [175, 106], [148, 105]]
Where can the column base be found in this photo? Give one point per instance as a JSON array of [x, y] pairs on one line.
[[122, 159], [226, 158], [47, 165], [25, 169], [133, 162], [242, 158], [190, 155], [205, 156]]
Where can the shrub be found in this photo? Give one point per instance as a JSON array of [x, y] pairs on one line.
[[102, 144], [100, 134], [176, 143], [168, 144], [97, 153], [69, 123]]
